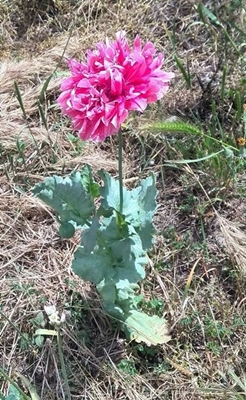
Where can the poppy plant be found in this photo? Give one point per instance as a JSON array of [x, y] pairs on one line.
[[97, 96]]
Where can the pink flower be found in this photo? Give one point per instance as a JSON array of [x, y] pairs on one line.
[[114, 80]]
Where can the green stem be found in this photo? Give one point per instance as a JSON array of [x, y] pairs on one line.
[[24, 396], [120, 171], [15, 327], [63, 368]]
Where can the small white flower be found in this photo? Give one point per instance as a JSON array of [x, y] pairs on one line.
[[63, 316], [53, 315], [50, 310], [54, 318]]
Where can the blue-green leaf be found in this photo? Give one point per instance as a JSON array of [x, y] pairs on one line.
[[124, 294], [66, 230], [146, 232], [141, 327], [113, 230], [139, 205], [114, 310], [133, 270], [145, 195], [125, 290], [13, 393], [125, 245], [107, 290], [91, 266], [67, 196], [111, 194], [89, 236]]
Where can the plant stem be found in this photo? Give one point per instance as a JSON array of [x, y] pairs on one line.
[[120, 170], [63, 368], [15, 327], [24, 396]]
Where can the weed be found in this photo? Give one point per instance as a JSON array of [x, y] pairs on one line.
[[161, 368], [238, 321], [25, 341], [127, 367], [38, 320], [169, 234], [27, 289], [214, 347], [155, 306], [184, 70], [189, 202], [78, 144], [14, 391], [189, 319], [215, 329], [21, 146], [233, 387]]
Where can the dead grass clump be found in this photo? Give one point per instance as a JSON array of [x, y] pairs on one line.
[[235, 242]]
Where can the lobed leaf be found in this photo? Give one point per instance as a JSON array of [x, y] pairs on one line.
[[146, 198], [67, 197], [139, 205], [111, 194], [141, 327]]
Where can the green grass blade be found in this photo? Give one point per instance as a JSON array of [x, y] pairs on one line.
[[201, 14], [30, 388], [19, 98], [244, 115], [185, 73], [14, 326], [42, 115], [239, 54], [234, 26], [195, 160], [63, 365], [7, 378], [204, 13], [44, 88], [223, 81], [239, 382], [214, 114], [239, 106], [46, 83], [208, 14]]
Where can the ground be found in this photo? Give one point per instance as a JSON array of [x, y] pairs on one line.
[[197, 268]]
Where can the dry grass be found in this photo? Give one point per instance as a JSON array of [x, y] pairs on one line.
[[235, 242], [194, 264]]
